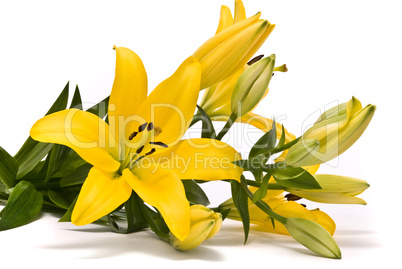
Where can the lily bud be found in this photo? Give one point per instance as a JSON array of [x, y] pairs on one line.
[[252, 86], [205, 224], [232, 46], [313, 236], [335, 190], [333, 133]]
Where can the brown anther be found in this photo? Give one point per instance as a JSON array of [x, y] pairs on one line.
[[140, 149], [132, 135], [292, 197], [150, 152], [150, 126], [159, 144], [255, 59], [142, 127]]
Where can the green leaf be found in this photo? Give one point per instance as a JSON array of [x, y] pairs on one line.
[[67, 216], [313, 236], [292, 177], [262, 190], [208, 130], [24, 203], [265, 143], [63, 197], [100, 109], [240, 200], [77, 177], [32, 152], [61, 101], [194, 193], [154, 220], [56, 158], [8, 168], [282, 139], [134, 217], [285, 146], [76, 102], [30, 160], [72, 163], [253, 164]]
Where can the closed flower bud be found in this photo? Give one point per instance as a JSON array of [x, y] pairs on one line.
[[333, 133], [252, 86], [234, 44], [313, 236], [205, 223], [335, 190]]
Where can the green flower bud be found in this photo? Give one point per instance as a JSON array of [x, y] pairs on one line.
[[334, 132], [252, 86], [313, 236], [335, 190], [205, 224]]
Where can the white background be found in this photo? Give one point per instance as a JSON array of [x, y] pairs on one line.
[[333, 49]]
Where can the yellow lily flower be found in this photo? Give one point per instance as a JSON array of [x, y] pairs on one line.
[[278, 203], [234, 43], [205, 224], [335, 190], [140, 149]]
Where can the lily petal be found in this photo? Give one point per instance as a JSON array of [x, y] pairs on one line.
[[201, 158], [225, 19], [240, 11], [101, 193], [164, 190], [82, 131], [172, 103], [129, 89]]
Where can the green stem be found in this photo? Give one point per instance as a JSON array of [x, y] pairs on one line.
[[227, 126], [271, 186], [262, 205]]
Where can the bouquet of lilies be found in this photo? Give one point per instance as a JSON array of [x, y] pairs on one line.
[[124, 163]]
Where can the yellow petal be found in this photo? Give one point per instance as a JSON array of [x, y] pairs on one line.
[[268, 30], [222, 93], [225, 19], [101, 193], [129, 90], [164, 190], [217, 39], [201, 158], [289, 210], [82, 131], [240, 12], [172, 104], [324, 220], [229, 56]]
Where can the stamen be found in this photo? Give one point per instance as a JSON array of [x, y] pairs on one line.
[[132, 135], [142, 127], [292, 197], [255, 59], [157, 130], [150, 126], [159, 144], [140, 149], [150, 152]]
